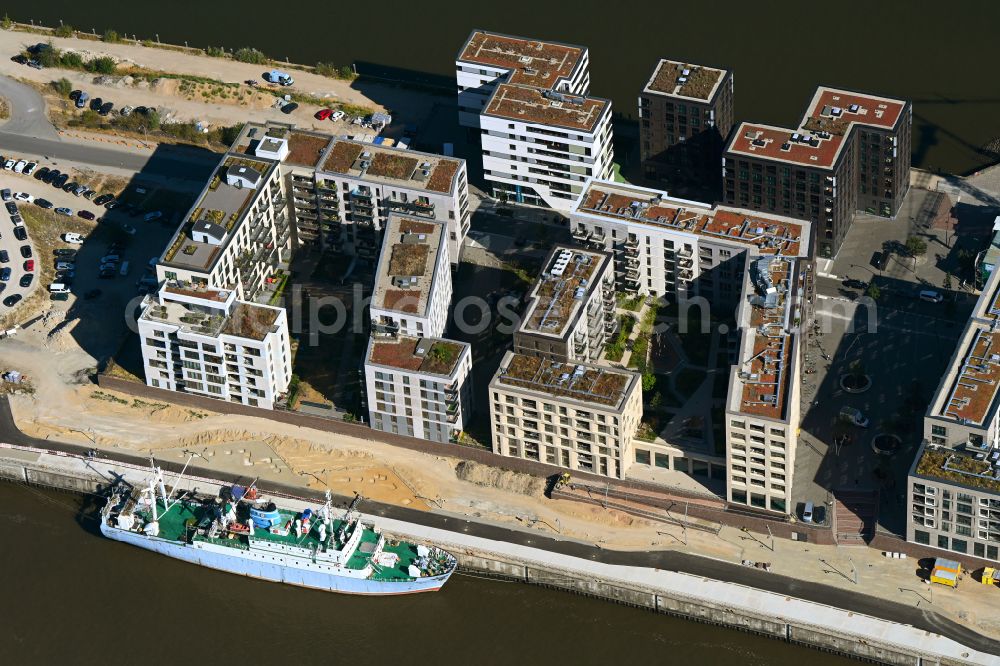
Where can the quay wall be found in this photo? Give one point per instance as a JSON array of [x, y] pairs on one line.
[[673, 593]]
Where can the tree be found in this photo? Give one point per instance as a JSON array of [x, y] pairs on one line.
[[916, 247], [102, 65], [648, 381], [873, 291], [63, 87], [247, 54], [71, 60], [857, 369], [947, 281]]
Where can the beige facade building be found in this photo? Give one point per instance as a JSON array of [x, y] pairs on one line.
[[577, 416], [571, 309], [953, 489]]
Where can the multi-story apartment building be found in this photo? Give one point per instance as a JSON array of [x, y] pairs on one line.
[[420, 387], [578, 416], [341, 192], [571, 309], [676, 248], [685, 117], [412, 280], [762, 407], [204, 341], [542, 135], [237, 232], [953, 488], [851, 152], [488, 59]]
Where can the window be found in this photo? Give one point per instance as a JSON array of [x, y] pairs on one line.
[[662, 460], [959, 545], [922, 537], [641, 457]]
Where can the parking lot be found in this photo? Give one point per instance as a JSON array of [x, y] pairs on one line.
[[96, 300]]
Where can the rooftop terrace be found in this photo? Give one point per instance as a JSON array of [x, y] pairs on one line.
[[306, 148], [974, 388], [404, 277], [583, 383], [398, 166], [562, 290], [244, 320], [770, 235], [679, 79], [530, 62], [427, 355], [532, 105], [220, 204], [251, 321], [764, 377]]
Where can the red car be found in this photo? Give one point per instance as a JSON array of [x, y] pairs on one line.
[[324, 114], [29, 265]]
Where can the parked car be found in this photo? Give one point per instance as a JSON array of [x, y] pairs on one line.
[[5, 195], [103, 199], [41, 173], [288, 108], [111, 266], [110, 257], [43, 203], [851, 283], [20, 233], [59, 297], [8, 165], [64, 266], [106, 108], [323, 114], [29, 265], [58, 288], [29, 168], [60, 181], [337, 115], [51, 176], [70, 186], [26, 251], [930, 296], [26, 279], [11, 207], [66, 277], [126, 111], [79, 189], [96, 103], [81, 101], [86, 214], [64, 211], [12, 300], [112, 204], [5, 274], [64, 252], [89, 193], [4, 257], [23, 196], [17, 220], [19, 167], [155, 215]]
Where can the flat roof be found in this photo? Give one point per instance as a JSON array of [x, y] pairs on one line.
[[568, 278], [530, 62], [684, 80], [404, 278], [580, 382], [397, 166], [251, 321], [221, 204], [433, 356], [542, 107], [243, 320], [306, 148], [763, 375], [977, 469], [825, 128], [770, 234]]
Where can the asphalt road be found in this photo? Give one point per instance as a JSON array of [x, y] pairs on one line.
[[28, 132], [667, 560]]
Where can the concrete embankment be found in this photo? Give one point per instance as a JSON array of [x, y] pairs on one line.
[[680, 594]]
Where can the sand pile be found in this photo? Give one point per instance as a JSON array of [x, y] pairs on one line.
[[491, 477]]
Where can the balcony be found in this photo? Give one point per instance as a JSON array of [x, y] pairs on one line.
[[384, 327], [631, 243], [581, 234], [414, 207], [685, 252]]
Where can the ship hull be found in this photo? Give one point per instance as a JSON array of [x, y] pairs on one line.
[[236, 563]]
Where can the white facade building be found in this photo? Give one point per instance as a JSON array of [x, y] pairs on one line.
[[542, 136], [413, 285], [205, 341], [419, 387]]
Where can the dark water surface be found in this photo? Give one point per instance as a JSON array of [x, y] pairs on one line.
[[940, 55], [70, 596]]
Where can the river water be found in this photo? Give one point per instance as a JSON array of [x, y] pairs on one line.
[[70, 596], [941, 56]]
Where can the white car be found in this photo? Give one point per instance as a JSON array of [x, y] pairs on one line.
[[19, 167], [24, 196], [76, 239], [68, 212], [336, 115], [8, 165]]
